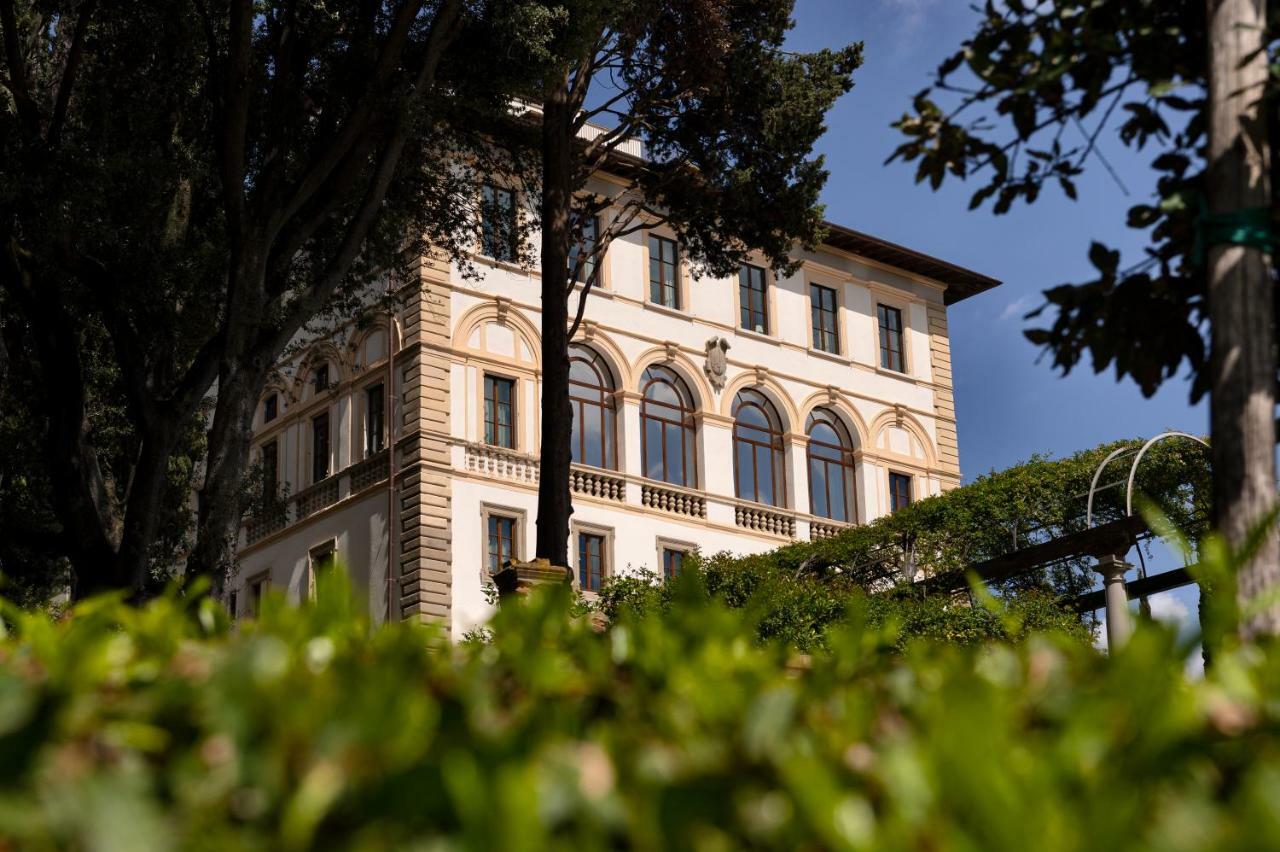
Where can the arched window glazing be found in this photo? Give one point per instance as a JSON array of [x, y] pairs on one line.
[[667, 428], [831, 493], [758, 466], [594, 412]]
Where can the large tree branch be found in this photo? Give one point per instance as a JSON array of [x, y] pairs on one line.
[[65, 85], [234, 120], [19, 83]]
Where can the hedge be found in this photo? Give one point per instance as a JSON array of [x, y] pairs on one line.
[[164, 727]]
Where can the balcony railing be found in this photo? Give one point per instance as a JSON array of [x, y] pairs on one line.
[[819, 530], [368, 472], [313, 498], [271, 520], [678, 501], [595, 482], [501, 463], [762, 519]]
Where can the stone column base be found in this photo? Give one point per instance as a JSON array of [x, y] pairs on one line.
[[519, 577]]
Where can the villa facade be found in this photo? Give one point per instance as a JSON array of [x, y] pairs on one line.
[[736, 414]]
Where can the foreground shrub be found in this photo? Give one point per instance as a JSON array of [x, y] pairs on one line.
[[162, 728]]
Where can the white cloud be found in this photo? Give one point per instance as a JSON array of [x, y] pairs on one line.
[[1018, 307], [1169, 609], [912, 12]]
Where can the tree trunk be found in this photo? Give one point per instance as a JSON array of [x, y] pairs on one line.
[[230, 437], [554, 504], [1243, 358]]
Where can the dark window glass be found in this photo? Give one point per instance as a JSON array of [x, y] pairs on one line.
[[270, 408], [826, 333], [322, 565], [498, 231], [233, 607], [752, 299], [319, 447], [502, 542], [499, 412], [667, 428], [585, 249], [672, 562], [320, 381], [890, 338], [830, 453], [590, 561], [375, 415], [270, 472], [899, 491], [664, 267], [757, 449], [256, 588], [594, 411]]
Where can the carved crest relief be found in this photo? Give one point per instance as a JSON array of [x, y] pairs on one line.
[[717, 365]]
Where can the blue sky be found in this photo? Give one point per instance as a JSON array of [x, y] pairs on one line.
[[1010, 403]]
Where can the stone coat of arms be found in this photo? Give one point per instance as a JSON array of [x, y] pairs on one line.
[[717, 365]]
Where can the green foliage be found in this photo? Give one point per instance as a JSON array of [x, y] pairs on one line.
[[163, 727], [799, 611], [1026, 103]]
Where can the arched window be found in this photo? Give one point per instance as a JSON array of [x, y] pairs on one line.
[[757, 449], [594, 415], [666, 423], [831, 493]]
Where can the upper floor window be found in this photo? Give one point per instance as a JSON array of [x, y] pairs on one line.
[[899, 491], [667, 428], [757, 449], [270, 472], [502, 541], [594, 412], [890, 338], [499, 412], [270, 408], [591, 561], [830, 453], [822, 307], [752, 299], [585, 249], [320, 447], [320, 378], [498, 229], [664, 270], [375, 410]]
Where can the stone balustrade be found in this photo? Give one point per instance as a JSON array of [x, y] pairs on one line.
[[595, 482], [312, 499], [368, 472], [762, 519], [826, 529], [678, 501], [501, 463]]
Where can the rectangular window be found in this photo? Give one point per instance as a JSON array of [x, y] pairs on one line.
[[899, 491], [270, 408], [591, 566], [324, 559], [320, 381], [664, 268], [502, 542], [672, 563], [270, 472], [233, 608], [257, 586], [585, 249], [752, 299], [499, 412], [826, 332], [375, 411], [890, 338], [320, 447], [498, 231]]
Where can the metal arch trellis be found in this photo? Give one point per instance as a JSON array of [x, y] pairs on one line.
[[1133, 470]]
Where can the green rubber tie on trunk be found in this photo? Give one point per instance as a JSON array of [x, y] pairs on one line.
[[1249, 227]]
